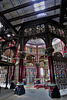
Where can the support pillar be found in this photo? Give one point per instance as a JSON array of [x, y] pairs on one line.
[[20, 86], [24, 81], [7, 78], [37, 62], [53, 91], [12, 86], [24, 65], [37, 66]]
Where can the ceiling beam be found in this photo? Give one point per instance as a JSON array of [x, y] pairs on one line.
[[20, 6], [8, 24], [45, 18], [63, 11], [34, 13]]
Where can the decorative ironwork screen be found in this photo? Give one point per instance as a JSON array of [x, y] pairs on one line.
[[60, 71]]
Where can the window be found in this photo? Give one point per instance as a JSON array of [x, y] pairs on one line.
[[55, 46], [43, 50], [30, 49]]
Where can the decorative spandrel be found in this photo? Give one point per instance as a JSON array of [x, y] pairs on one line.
[[34, 30], [56, 30]]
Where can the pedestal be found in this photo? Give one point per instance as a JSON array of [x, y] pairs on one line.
[[24, 81], [53, 91], [38, 81], [19, 89], [12, 85]]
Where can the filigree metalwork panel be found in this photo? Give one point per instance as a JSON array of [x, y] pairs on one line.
[[56, 30], [34, 30]]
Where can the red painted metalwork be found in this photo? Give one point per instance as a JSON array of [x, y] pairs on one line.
[[20, 70], [50, 61], [23, 72], [37, 61]]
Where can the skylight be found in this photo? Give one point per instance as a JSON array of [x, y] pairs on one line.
[[39, 6], [33, 0], [41, 15]]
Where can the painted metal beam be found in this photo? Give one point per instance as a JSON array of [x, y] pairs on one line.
[[34, 13], [45, 18], [63, 11], [8, 24], [20, 6]]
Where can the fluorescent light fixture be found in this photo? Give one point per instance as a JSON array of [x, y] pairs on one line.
[[1, 25]]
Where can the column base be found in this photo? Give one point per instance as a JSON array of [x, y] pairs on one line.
[[19, 89], [54, 92], [12, 85], [6, 88], [38, 81], [24, 81]]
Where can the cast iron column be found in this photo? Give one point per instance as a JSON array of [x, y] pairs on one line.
[[7, 78], [37, 62], [20, 86], [53, 90], [24, 65], [21, 60], [50, 62]]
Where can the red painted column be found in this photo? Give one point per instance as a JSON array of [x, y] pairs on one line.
[[37, 61], [21, 60], [23, 72], [20, 70], [50, 61], [24, 65], [53, 91], [38, 72]]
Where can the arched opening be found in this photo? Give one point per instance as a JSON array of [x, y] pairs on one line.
[[44, 69], [59, 63], [35, 49], [58, 46]]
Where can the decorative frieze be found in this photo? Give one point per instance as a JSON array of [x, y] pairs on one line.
[[56, 30], [34, 30]]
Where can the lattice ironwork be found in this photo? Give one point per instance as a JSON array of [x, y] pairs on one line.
[[60, 71], [56, 30], [34, 30]]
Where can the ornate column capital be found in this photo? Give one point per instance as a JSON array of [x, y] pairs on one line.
[[49, 51], [22, 54], [37, 64]]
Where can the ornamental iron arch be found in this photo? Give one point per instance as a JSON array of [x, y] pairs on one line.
[[41, 28]]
